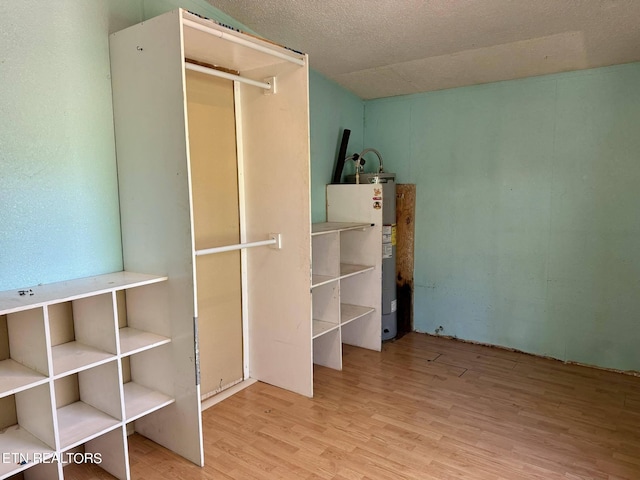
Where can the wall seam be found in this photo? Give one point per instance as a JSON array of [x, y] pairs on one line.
[[550, 223]]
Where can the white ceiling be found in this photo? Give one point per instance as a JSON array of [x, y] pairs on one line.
[[381, 48]]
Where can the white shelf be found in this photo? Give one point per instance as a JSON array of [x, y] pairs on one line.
[[321, 327], [347, 270], [343, 251], [133, 340], [40, 295], [80, 317], [332, 227], [349, 313], [79, 422], [74, 356], [15, 377], [317, 280], [139, 401], [16, 439], [216, 46]]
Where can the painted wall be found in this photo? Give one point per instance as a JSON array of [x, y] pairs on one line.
[[333, 109], [59, 215], [58, 195], [527, 220]]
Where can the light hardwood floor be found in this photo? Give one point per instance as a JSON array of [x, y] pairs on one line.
[[424, 408]]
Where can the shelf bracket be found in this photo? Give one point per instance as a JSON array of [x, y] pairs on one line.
[[277, 238], [272, 82]]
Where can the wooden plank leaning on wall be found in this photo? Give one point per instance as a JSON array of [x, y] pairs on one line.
[[405, 220]]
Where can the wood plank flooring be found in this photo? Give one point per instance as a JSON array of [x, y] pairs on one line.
[[424, 408]]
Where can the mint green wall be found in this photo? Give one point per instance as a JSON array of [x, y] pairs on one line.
[[333, 109], [527, 215], [59, 214]]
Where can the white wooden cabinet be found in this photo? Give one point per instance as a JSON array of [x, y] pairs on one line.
[[169, 224], [345, 289], [70, 379]]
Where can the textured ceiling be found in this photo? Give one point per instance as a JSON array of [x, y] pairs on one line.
[[381, 48]]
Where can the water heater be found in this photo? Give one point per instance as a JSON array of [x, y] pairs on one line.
[[372, 200]]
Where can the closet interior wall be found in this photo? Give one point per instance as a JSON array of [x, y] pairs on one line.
[[216, 222]]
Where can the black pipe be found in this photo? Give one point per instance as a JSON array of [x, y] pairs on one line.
[[342, 154]]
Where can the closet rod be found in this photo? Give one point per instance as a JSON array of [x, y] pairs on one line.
[[228, 76], [239, 246], [242, 41]]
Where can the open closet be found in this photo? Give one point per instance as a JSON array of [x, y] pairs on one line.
[[212, 144]]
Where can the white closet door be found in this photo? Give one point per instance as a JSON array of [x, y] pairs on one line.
[[214, 177]]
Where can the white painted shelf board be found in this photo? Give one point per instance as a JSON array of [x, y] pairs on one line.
[[139, 401], [320, 327], [11, 301], [79, 423], [74, 356], [15, 377], [349, 313], [133, 340], [209, 48], [317, 280], [332, 227], [348, 270], [16, 439]]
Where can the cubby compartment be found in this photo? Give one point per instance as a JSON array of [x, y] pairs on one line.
[[326, 308], [327, 349], [27, 432], [357, 297], [83, 333], [103, 457], [88, 404], [360, 302], [143, 318], [39, 471], [325, 258], [23, 351], [356, 247], [147, 386]]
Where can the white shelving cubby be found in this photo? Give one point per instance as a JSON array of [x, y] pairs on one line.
[[23, 353], [345, 289], [27, 426], [65, 349], [146, 385], [82, 333], [143, 318], [88, 404]]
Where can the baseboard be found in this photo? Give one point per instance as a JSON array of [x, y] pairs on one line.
[[211, 401], [633, 373]]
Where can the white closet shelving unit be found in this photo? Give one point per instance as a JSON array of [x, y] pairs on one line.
[[72, 372], [149, 64], [345, 285]]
